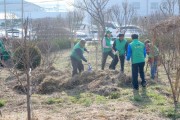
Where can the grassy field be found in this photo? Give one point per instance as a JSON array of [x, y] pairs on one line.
[[153, 103]]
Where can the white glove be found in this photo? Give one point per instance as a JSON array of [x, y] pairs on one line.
[[117, 53]]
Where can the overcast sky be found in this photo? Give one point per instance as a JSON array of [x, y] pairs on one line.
[[63, 4]]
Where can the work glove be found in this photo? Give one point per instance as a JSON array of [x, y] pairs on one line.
[[117, 53]]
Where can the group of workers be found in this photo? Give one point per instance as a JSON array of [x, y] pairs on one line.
[[119, 51]]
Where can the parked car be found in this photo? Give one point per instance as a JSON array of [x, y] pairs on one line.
[[13, 33], [131, 29]]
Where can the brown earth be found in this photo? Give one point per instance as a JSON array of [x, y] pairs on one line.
[[55, 83]]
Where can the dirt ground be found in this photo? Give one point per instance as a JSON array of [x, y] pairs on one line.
[[96, 95]]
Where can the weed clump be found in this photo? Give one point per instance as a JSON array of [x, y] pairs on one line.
[[2, 103]]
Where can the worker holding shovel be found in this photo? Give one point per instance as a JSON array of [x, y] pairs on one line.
[[120, 47], [77, 57]]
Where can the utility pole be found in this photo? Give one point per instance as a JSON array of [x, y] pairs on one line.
[[147, 3], [5, 18], [22, 20], [179, 6]]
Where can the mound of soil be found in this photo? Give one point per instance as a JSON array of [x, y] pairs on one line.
[[49, 85], [52, 80]]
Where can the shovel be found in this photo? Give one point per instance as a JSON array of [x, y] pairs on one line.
[[89, 67]]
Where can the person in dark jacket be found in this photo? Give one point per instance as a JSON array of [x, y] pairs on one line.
[[77, 57], [107, 48], [137, 54], [120, 47]]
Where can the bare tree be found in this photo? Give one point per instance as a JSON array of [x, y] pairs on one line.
[[75, 19], [27, 71], [123, 14], [166, 34], [97, 10], [167, 7]]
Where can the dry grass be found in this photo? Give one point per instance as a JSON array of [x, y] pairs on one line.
[[80, 104]]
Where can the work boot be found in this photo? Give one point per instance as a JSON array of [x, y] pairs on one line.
[[144, 84]]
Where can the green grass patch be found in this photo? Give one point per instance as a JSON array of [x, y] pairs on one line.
[[114, 95], [85, 101], [73, 99], [169, 112], [157, 98], [89, 98], [100, 99], [2, 103], [54, 101]]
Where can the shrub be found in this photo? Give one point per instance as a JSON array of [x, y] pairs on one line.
[[47, 46], [62, 43], [55, 45], [34, 57]]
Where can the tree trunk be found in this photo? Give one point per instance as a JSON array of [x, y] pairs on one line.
[[27, 72], [175, 109], [28, 96]]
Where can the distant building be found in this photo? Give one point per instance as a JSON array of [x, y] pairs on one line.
[[144, 7], [31, 10]]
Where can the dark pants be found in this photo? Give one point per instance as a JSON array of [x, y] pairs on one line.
[[138, 67], [105, 55], [1, 58], [77, 66], [115, 61]]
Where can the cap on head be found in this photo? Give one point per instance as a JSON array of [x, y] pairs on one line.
[[120, 35], [147, 41], [134, 36], [108, 32], [83, 41]]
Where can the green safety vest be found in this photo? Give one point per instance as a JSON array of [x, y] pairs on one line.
[[121, 46], [137, 48], [108, 43], [74, 54], [2, 48]]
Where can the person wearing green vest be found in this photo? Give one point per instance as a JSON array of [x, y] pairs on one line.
[[77, 57], [120, 47], [107, 48], [2, 50], [137, 54]]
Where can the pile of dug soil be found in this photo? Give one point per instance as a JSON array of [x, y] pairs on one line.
[[52, 80]]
